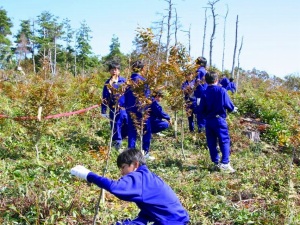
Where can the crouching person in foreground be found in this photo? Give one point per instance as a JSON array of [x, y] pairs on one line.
[[157, 201]]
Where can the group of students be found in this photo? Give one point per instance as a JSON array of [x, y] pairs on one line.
[[205, 98], [228, 84], [126, 111], [194, 87]]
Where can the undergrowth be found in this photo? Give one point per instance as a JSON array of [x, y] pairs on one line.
[[36, 157]]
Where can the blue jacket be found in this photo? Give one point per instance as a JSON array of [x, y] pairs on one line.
[[157, 112], [214, 102], [109, 98], [157, 201], [201, 71], [200, 90], [231, 87], [131, 103], [224, 82]]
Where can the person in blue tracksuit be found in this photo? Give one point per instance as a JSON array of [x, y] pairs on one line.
[[156, 200], [200, 88], [135, 110], [201, 71], [231, 86], [158, 118], [213, 105], [113, 99], [224, 81], [188, 88]]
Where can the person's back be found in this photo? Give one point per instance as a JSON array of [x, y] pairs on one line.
[[231, 86], [224, 81], [216, 102], [201, 87], [213, 105]]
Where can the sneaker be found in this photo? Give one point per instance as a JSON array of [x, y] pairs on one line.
[[148, 156], [160, 134], [226, 168]]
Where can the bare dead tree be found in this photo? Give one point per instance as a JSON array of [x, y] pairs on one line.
[[189, 38], [75, 63], [235, 45], [212, 37], [32, 48], [176, 26], [22, 48], [238, 71], [159, 31], [204, 33], [160, 37], [169, 28], [224, 37]]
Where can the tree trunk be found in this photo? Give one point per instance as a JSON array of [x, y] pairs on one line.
[[176, 27], [189, 37], [224, 37], [212, 37], [75, 65], [204, 32], [54, 60], [238, 71], [234, 51], [169, 29], [32, 49]]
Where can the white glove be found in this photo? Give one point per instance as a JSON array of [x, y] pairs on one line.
[[235, 110], [105, 115], [198, 101], [80, 172]]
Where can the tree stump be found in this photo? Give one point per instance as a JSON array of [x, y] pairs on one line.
[[252, 135]]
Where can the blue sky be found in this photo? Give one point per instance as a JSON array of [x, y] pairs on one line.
[[270, 28]]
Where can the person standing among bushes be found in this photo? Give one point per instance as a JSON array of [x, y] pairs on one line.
[[231, 86], [201, 71], [156, 200], [115, 103], [224, 81], [136, 111], [200, 88], [213, 105], [188, 87], [159, 119]]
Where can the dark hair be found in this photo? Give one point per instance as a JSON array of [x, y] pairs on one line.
[[129, 156], [137, 66], [231, 79], [201, 61], [211, 77], [114, 65]]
